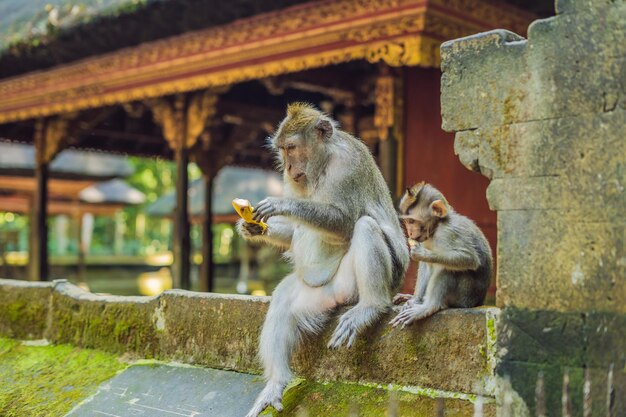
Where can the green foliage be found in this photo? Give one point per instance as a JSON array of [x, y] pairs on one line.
[[153, 177], [141, 234], [13, 231]]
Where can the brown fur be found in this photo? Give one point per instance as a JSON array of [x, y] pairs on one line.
[[299, 117]]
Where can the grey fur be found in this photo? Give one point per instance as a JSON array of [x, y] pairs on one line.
[[341, 232], [455, 261]]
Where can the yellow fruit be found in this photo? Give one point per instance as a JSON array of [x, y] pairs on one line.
[[245, 210]]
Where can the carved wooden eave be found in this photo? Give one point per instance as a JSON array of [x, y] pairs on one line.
[[316, 34]]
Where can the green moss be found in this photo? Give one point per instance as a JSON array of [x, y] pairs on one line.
[[23, 315], [14, 310], [110, 326], [330, 399], [488, 352], [491, 328], [42, 381], [6, 345]]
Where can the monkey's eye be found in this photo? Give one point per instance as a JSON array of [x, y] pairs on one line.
[[409, 221], [290, 147]]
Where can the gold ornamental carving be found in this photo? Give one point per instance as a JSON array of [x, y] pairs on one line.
[[184, 118], [52, 136], [398, 131], [405, 52], [164, 116], [202, 106], [384, 105]]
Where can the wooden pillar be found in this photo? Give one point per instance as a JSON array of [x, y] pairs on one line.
[[85, 235], [81, 266], [182, 122], [387, 152], [386, 117], [182, 242], [38, 256], [50, 135], [207, 279]]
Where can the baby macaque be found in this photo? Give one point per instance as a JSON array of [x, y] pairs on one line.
[[455, 262]]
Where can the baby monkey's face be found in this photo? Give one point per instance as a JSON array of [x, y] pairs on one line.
[[417, 228], [421, 208]]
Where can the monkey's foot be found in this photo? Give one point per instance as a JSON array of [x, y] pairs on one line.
[[350, 324], [405, 317], [344, 334], [411, 314], [271, 395], [401, 298]]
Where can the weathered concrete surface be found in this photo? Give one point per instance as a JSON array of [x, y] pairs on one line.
[[532, 341], [158, 390], [39, 380], [452, 351], [211, 330], [111, 323], [544, 118]]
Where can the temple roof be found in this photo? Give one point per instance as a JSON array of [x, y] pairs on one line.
[[112, 191], [31, 38], [32, 19], [40, 34], [19, 159]]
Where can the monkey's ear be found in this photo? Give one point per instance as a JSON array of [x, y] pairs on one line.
[[439, 209], [416, 188], [325, 128]]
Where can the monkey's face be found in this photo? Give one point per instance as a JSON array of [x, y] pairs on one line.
[[421, 208], [419, 228], [301, 143], [295, 157]]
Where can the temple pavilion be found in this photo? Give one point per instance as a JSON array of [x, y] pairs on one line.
[[207, 81]]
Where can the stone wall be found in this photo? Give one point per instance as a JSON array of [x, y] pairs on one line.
[[544, 119], [452, 352]]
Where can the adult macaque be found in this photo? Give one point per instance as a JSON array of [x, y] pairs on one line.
[[339, 228], [455, 262]]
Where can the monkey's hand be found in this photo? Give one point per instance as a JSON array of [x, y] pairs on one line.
[[414, 301], [249, 230], [406, 317], [269, 207], [401, 298], [420, 253]]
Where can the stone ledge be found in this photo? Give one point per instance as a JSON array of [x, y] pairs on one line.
[[452, 351], [24, 308], [54, 380]]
